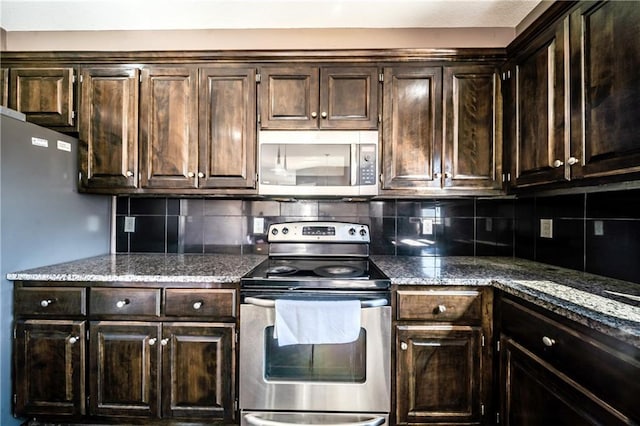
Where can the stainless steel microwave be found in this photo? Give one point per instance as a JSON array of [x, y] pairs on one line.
[[318, 163]]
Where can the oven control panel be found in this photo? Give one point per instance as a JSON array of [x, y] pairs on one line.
[[341, 232]]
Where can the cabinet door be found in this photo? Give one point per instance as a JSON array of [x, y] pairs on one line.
[[4, 87], [438, 375], [473, 123], [169, 128], [125, 360], [289, 98], [108, 147], [412, 123], [605, 111], [534, 393], [541, 139], [198, 370], [349, 98], [49, 369], [44, 95], [227, 128]]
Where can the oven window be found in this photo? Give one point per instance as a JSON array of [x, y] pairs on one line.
[[305, 164], [315, 363]]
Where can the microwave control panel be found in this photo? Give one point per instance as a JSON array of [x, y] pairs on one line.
[[368, 161]]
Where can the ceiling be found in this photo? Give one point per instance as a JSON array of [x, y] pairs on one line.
[[81, 15]]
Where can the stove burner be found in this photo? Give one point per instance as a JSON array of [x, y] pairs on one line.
[[282, 270], [338, 271]]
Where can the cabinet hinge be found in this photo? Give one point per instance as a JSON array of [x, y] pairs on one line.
[[498, 346], [381, 78], [235, 405], [14, 333], [379, 118], [482, 409], [482, 340], [81, 78], [87, 333], [497, 418], [15, 399], [140, 78], [73, 79], [237, 337], [258, 77], [259, 118], [73, 114]]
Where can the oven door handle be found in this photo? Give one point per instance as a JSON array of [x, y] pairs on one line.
[[271, 303], [256, 420]]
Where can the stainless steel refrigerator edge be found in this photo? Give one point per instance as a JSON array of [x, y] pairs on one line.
[[43, 218]]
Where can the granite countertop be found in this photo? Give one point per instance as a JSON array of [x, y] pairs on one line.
[[608, 305]]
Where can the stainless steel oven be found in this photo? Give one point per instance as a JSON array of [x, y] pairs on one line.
[[315, 383]]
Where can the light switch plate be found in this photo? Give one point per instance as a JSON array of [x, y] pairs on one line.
[[598, 228], [427, 226], [129, 224], [546, 228]]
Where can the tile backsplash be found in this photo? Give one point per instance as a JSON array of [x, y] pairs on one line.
[[594, 232]]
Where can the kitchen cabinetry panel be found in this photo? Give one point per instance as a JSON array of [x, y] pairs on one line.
[[227, 126], [108, 124], [473, 135], [4, 87], [198, 370], [438, 374], [124, 359], [605, 58], [48, 374], [439, 305], [169, 128], [289, 97], [51, 301], [216, 303], [412, 117], [540, 140], [44, 95]]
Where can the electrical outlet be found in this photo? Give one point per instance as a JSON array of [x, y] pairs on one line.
[[546, 228], [598, 228], [427, 226], [258, 225], [488, 224], [129, 224]]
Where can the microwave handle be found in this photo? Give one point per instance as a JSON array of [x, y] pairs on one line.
[[271, 303], [355, 164], [255, 420]]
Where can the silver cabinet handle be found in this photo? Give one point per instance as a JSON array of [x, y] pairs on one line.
[[557, 163], [440, 309], [197, 305], [323, 115], [572, 160], [152, 341], [73, 339], [547, 341], [191, 174], [129, 173], [256, 420], [164, 342], [437, 175], [314, 114], [46, 302], [404, 346], [122, 303], [200, 174]]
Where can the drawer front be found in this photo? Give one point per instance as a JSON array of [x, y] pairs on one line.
[[219, 303], [50, 301], [440, 305], [609, 373], [125, 301]]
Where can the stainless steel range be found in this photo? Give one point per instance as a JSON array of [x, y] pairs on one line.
[[315, 330]]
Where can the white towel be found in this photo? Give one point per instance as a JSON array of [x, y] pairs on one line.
[[317, 321]]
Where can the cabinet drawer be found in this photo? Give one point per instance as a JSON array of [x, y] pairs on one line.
[[50, 301], [125, 301], [440, 305], [201, 303], [609, 372]]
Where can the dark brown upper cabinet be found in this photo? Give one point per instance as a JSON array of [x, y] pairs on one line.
[[44, 95], [605, 89], [311, 97], [412, 129], [535, 82], [169, 128], [108, 124], [227, 128], [473, 128]]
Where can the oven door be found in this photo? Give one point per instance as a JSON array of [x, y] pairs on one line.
[[352, 377]]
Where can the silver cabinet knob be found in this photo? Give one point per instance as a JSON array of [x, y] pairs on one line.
[[440, 309], [191, 174], [129, 173], [152, 341], [122, 303], [314, 114], [324, 114], [200, 174], [197, 305], [46, 302], [164, 342], [437, 175], [572, 160], [557, 163], [404, 346], [447, 175], [73, 339], [547, 341]]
